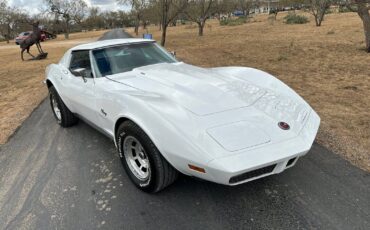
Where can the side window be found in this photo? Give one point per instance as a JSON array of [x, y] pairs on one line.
[[81, 59]]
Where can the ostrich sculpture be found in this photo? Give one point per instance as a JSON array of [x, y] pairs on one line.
[[34, 38]]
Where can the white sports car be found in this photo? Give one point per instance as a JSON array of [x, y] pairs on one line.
[[229, 125]]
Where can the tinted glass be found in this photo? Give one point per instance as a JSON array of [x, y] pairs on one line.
[[119, 59]]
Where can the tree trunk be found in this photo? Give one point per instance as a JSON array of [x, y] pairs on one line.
[[137, 29], [164, 34], [201, 28], [363, 12], [8, 35], [319, 17], [137, 23], [317, 20], [66, 34]]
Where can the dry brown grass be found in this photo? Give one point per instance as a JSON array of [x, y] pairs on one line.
[[21, 87], [326, 65]]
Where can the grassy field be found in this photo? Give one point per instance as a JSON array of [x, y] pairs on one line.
[[21, 87], [326, 65]]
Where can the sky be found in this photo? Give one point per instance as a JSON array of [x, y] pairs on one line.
[[33, 6]]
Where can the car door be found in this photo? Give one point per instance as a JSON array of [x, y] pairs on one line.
[[80, 91]]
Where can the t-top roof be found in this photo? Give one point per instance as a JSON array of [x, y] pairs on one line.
[[110, 42]]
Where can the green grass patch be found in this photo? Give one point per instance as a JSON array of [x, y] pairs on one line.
[[233, 21], [293, 18]]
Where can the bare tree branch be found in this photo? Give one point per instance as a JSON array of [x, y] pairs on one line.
[[71, 11]]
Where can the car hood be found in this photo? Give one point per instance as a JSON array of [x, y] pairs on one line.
[[201, 91], [205, 91]]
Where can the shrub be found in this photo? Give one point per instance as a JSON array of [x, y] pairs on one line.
[[295, 19], [233, 21], [344, 9], [329, 11], [331, 32], [282, 57]]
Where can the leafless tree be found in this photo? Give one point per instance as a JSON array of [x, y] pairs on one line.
[[224, 7], [199, 11], [168, 11], [138, 8], [318, 9], [3, 4], [362, 7], [4, 15], [245, 5], [71, 11], [94, 19], [11, 19]]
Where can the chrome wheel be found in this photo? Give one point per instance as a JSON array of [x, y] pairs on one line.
[[136, 158], [56, 109]]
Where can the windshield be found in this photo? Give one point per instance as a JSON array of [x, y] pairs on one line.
[[124, 58]]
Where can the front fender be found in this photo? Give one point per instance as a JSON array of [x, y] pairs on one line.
[[160, 119], [54, 74]]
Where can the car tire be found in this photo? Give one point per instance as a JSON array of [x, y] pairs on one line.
[[62, 114], [132, 140]]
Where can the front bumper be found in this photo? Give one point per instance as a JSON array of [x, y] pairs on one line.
[[264, 161]]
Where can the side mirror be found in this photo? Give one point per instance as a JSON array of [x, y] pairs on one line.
[[79, 72]]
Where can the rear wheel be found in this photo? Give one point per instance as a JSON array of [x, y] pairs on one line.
[[62, 114], [142, 161]]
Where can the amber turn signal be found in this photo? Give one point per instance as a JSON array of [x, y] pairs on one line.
[[198, 169]]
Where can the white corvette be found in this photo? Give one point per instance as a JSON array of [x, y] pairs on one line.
[[228, 125]]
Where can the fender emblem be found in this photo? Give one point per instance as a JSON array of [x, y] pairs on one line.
[[103, 112]]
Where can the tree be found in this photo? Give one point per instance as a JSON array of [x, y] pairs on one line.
[[245, 5], [94, 19], [70, 11], [137, 9], [3, 7], [199, 11], [362, 7], [3, 4], [168, 10], [224, 7], [11, 20], [318, 9]]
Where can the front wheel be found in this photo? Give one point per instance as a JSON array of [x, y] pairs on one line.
[[62, 114], [142, 161]]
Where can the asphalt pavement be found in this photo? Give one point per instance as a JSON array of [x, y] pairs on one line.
[[56, 178], [113, 34]]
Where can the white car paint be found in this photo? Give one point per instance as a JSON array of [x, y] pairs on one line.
[[224, 120]]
